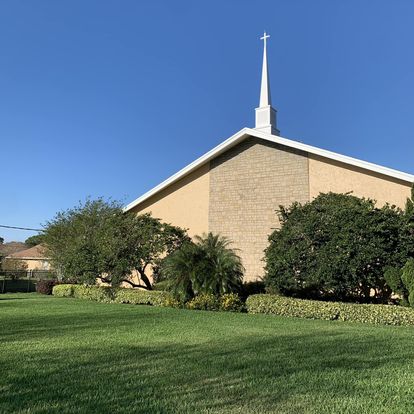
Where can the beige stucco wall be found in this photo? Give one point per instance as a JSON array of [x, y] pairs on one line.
[[184, 203], [247, 185], [328, 175]]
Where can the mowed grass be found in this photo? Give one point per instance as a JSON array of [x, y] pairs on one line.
[[74, 356]]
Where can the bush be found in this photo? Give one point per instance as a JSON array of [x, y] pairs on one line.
[[63, 291], [301, 308], [96, 293], [231, 302], [252, 288], [376, 314], [208, 266], [205, 301], [45, 286], [142, 297], [407, 278], [335, 247]]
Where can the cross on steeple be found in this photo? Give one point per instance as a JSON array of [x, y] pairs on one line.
[[264, 37]]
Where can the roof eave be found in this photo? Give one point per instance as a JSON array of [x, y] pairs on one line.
[[246, 132]]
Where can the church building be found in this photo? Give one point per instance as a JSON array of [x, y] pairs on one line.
[[236, 188]]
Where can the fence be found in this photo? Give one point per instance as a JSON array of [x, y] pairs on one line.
[[22, 280]]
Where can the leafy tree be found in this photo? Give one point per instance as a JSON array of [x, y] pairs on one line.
[[407, 278], [335, 247], [407, 236], [34, 240], [98, 240], [393, 278], [1, 240], [206, 266]]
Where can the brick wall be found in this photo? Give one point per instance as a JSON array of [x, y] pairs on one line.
[[247, 185]]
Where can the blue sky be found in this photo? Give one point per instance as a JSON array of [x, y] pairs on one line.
[[108, 98]]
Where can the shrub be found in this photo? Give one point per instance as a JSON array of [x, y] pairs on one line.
[[407, 278], [45, 286], [301, 308], [252, 288], [162, 285], [142, 297], [231, 302], [335, 247], [377, 314], [352, 312], [63, 291], [204, 301], [208, 266], [97, 293]]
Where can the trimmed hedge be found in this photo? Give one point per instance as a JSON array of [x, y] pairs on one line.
[[261, 303], [301, 308], [63, 291], [108, 294], [142, 297], [314, 309], [97, 293]]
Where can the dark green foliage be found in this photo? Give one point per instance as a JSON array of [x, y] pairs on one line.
[[98, 240], [208, 266], [392, 276], [407, 278], [335, 247], [252, 288], [313, 309], [407, 236], [45, 286], [35, 240]]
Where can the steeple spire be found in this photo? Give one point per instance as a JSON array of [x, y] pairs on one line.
[[265, 98], [266, 114]]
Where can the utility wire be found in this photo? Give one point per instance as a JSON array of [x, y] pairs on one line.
[[19, 228]]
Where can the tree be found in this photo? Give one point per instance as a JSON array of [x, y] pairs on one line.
[[98, 239], [207, 265], [407, 237], [335, 247], [34, 240]]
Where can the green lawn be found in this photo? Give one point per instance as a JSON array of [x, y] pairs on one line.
[[74, 356]]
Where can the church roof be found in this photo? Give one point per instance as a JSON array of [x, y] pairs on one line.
[[248, 132]]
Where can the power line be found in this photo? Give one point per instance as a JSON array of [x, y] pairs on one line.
[[20, 228]]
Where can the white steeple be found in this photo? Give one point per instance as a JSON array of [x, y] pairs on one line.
[[266, 114]]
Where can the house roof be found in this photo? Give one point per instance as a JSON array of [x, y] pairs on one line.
[[35, 252], [12, 247], [248, 132]]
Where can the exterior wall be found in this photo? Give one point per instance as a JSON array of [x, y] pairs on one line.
[[184, 203], [328, 175], [247, 185], [33, 264]]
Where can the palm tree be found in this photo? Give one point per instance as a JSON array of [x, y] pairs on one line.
[[207, 265]]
